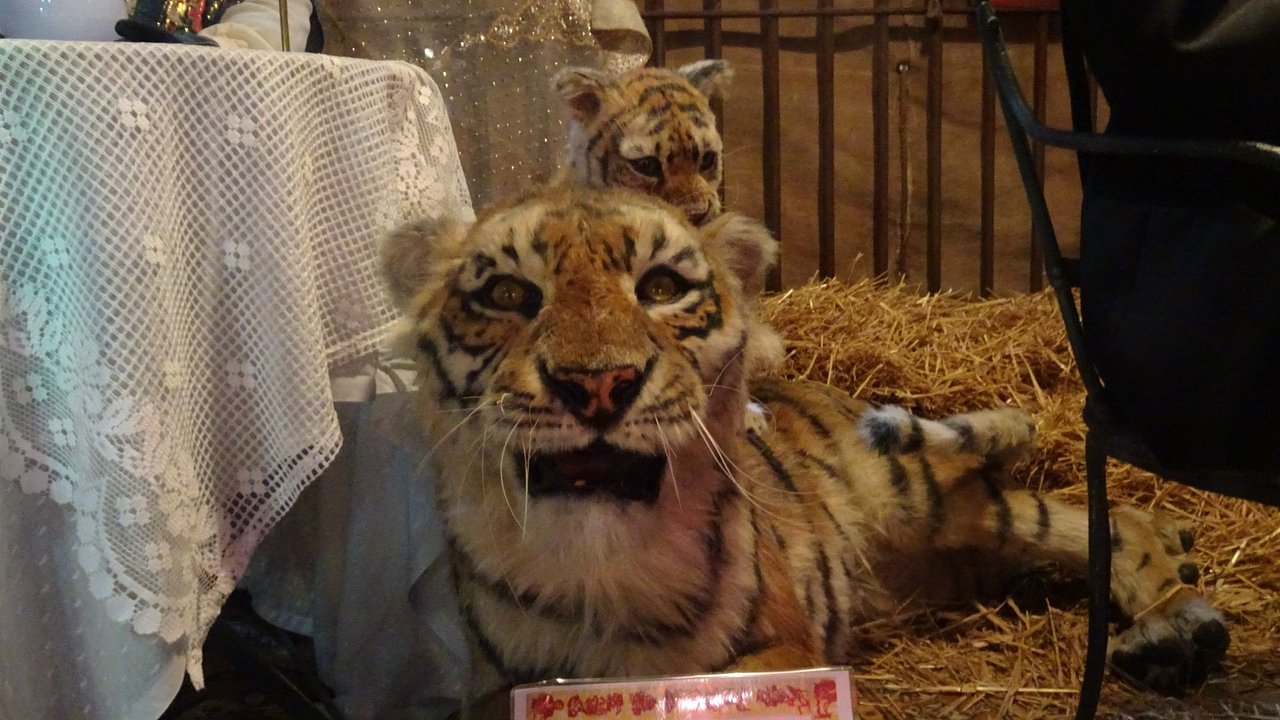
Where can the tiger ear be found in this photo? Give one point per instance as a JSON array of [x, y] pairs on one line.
[[711, 77], [412, 251], [583, 90], [744, 245]]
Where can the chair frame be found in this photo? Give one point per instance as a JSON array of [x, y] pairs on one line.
[[1104, 437]]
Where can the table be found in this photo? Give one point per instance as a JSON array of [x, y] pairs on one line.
[[187, 256]]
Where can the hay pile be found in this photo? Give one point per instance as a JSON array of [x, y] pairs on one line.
[[937, 355]]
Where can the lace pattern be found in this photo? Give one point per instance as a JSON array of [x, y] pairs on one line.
[[187, 247]]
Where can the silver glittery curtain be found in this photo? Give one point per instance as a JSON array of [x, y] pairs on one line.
[[493, 61]]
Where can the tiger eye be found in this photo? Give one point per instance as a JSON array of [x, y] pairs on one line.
[[648, 166], [507, 294], [659, 289]]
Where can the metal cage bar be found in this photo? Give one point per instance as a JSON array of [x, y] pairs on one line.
[[880, 144], [713, 27], [987, 200], [655, 11], [886, 21], [771, 160], [933, 153], [826, 72]]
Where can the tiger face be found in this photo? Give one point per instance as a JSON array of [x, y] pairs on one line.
[[592, 325], [650, 130]]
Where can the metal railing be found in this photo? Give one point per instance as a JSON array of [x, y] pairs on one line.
[[933, 23]]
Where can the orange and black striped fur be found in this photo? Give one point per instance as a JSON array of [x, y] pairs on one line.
[[650, 130], [610, 514]]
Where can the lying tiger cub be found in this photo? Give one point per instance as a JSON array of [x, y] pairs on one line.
[[608, 513]]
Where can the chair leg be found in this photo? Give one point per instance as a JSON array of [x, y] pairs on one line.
[[1095, 663]]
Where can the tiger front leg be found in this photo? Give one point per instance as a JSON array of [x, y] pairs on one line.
[[1174, 636]]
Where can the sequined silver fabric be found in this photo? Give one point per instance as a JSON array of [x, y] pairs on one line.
[[493, 61]]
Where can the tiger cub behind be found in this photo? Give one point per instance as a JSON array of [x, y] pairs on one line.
[[651, 130]]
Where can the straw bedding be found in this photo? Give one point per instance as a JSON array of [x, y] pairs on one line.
[[1022, 657]]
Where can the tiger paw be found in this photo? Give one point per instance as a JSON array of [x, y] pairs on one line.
[[1173, 536], [1173, 646], [1001, 435], [784, 656], [757, 418], [1173, 532]]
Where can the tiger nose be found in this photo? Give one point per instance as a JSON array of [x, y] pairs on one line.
[[596, 397]]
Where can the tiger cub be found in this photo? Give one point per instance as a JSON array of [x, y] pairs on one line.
[[652, 130], [609, 513], [649, 129]]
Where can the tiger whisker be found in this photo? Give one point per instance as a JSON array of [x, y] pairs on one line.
[[725, 368], [666, 449], [758, 502], [528, 438], [723, 461], [738, 468], [483, 404], [732, 194], [481, 439], [502, 484], [421, 467], [480, 443], [719, 386], [798, 492], [750, 397], [682, 198], [449, 411]]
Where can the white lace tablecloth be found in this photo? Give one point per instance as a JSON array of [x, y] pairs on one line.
[[187, 241]]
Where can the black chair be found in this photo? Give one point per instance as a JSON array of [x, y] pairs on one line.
[[1108, 434]]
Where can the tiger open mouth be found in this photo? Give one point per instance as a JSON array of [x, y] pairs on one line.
[[598, 469]]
